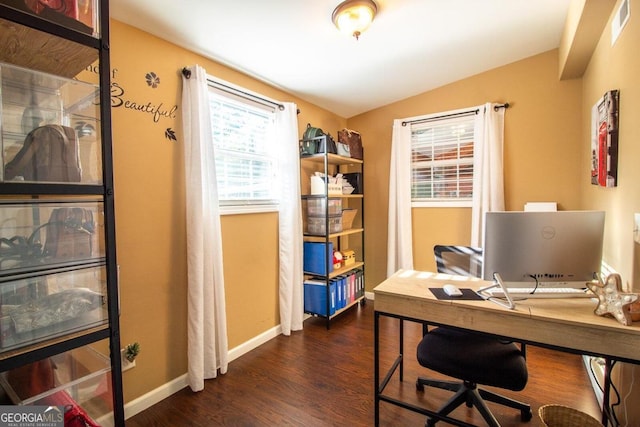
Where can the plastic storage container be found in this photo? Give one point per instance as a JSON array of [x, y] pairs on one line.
[[50, 128], [36, 308], [78, 379], [81, 16], [317, 225], [49, 234], [318, 207]]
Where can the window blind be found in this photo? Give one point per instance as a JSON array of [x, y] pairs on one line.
[[243, 134], [442, 159]]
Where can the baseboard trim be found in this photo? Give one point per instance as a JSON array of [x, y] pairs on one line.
[[369, 295], [254, 342], [154, 396], [158, 394]]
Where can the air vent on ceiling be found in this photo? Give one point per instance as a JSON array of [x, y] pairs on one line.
[[619, 20]]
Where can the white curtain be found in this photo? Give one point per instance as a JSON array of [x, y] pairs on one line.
[[488, 186], [207, 325], [289, 221], [399, 242]]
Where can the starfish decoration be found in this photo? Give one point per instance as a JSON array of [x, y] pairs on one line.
[[611, 301]]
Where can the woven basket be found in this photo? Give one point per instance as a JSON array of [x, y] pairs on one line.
[[563, 416]]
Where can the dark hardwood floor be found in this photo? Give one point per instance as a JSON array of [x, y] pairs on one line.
[[320, 377]]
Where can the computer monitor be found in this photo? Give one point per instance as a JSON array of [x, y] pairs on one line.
[[556, 249]]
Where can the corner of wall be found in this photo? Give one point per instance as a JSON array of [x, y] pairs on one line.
[[583, 28]]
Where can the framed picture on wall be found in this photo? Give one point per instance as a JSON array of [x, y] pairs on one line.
[[604, 140]]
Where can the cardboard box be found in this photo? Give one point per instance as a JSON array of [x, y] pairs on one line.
[[348, 215], [318, 187], [348, 257]]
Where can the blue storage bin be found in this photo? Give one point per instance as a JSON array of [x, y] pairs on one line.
[[315, 297], [315, 258]]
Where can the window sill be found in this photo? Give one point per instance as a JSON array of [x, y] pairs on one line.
[[443, 204], [248, 209]]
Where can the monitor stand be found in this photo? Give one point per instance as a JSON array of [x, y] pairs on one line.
[[497, 282]]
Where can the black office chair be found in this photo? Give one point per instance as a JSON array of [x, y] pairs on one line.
[[473, 358]]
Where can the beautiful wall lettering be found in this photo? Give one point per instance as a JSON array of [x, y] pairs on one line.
[[155, 111]]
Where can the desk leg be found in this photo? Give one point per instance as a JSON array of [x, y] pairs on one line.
[[380, 384], [606, 390], [399, 363], [401, 350], [376, 366]]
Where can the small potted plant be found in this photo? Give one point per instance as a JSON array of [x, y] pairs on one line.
[[131, 351]]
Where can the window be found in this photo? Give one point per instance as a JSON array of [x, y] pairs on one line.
[[243, 134], [442, 160]]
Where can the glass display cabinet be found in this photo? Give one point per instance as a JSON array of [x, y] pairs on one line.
[[59, 329]]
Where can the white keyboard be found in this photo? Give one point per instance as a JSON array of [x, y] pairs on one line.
[[542, 293]]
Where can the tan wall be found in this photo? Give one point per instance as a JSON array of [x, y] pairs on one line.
[[617, 67], [546, 158], [542, 148], [150, 213]]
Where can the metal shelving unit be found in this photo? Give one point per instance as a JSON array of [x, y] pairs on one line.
[[328, 164], [38, 47]]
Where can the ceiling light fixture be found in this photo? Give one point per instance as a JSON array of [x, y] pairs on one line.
[[354, 16]]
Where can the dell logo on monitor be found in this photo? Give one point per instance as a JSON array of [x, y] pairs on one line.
[[548, 232]]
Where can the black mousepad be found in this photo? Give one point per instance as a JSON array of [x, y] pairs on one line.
[[467, 294]]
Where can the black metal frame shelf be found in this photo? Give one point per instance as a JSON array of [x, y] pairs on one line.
[[325, 161], [32, 25]]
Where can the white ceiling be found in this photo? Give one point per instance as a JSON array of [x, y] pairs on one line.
[[411, 47]]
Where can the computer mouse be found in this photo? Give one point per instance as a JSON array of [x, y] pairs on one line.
[[452, 290]]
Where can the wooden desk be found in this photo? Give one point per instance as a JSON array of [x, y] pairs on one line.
[[567, 324]]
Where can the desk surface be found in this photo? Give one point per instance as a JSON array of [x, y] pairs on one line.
[[567, 323]]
